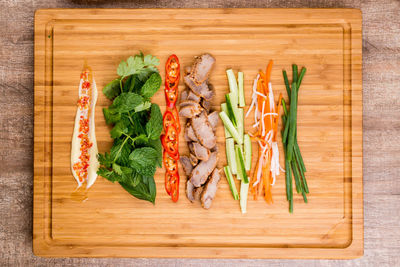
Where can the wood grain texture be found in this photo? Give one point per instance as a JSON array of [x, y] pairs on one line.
[[111, 223], [381, 53]]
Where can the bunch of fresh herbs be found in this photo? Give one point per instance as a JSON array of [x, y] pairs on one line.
[[137, 125]]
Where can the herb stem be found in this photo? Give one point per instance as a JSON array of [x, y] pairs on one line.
[[119, 150]]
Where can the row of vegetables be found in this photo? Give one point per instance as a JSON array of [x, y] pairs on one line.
[[141, 132]]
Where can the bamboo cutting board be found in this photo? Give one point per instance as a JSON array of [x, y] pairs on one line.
[[111, 223]]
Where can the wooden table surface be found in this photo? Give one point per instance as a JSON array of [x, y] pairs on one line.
[[381, 100]]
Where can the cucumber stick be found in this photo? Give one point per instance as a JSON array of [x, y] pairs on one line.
[[242, 101], [232, 130], [231, 182], [240, 122], [233, 87], [231, 155], [244, 190], [224, 108], [241, 170], [247, 152], [232, 109]]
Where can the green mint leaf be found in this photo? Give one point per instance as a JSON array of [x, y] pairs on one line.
[[156, 144], [143, 157], [112, 89], [144, 106], [119, 129], [151, 86], [154, 125], [148, 171], [126, 102], [111, 116]]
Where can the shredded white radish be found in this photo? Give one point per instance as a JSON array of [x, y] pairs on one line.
[[271, 97], [275, 166], [270, 114], [254, 96], [260, 94]]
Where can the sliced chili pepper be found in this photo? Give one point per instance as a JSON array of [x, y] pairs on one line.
[[172, 128], [171, 134], [171, 146], [172, 69], [168, 119], [171, 96], [171, 164], [176, 116], [175, 187], [168, 185]]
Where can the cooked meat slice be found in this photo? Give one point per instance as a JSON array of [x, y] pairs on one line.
[[186, 165], [199, 90], [184, 95], [190, 133], [200, 151], [213, 119], [188, 70], [210, 189], [191, 150], [193, 160], [203, 130], [202, 67], [206, 104], [214, 149], [197, 193], [193, 96], [201, 172], [190, 189], [190, 111], [189, 103]]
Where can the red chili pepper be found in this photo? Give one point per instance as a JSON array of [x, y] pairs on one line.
[[172, 128], [170, 146], [172, 69], [175, 187], [171, 96], [171, 164], [171, 134], [168, 187], [176, 116], [168, 120]]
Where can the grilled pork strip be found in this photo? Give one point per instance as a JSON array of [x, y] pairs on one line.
[[202, 67], [201, 172], [210, 189], [203, 130]]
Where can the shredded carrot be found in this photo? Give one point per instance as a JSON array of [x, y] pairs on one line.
[[267, 127]]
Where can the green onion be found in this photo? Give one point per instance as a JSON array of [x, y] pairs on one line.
[[294, 73], [303, 71], [285, 78], [292, 122]]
